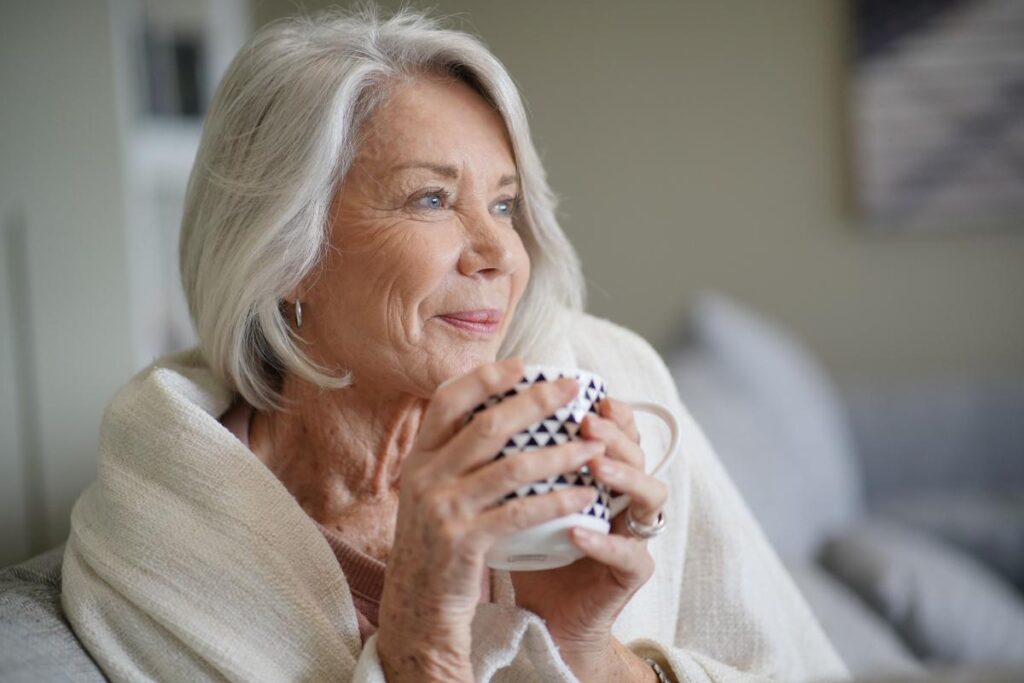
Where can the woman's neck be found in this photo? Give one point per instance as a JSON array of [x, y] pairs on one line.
[[340, 453]]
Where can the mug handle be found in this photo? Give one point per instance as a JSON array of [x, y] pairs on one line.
[[620, 503]]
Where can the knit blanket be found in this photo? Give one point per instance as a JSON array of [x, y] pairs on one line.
[[189, 560]]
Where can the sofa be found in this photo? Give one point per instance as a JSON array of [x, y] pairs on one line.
[[909, 570], [39, 646], [37, 641]]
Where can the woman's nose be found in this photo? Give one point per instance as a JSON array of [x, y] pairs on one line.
[[487, 249]]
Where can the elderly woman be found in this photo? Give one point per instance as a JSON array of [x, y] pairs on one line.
[[369, 250]]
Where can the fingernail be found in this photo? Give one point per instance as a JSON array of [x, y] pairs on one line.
[[584, 536], [608, 470]]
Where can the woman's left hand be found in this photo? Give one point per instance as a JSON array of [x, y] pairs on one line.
[[581, 601]]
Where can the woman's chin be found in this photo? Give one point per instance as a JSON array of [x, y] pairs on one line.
[[456, 363]]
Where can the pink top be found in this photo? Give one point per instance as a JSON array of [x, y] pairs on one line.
[[365, 574]]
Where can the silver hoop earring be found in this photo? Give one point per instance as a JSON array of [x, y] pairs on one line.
[[298, 313]]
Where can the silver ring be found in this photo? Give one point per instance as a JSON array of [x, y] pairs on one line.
[[644, 530]]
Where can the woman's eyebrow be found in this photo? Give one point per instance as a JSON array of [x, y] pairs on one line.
[[450, 172]]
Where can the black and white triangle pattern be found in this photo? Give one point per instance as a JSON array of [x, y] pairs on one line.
[[555, 430]]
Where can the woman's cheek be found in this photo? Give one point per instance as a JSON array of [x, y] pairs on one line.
[[418, 283], [521, 278]]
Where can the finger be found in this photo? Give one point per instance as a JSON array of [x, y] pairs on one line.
[[487, 433], [492, 482], [620, 445], [647, 495], [621, 414], [523, 513], [453, 399], [627, 558]]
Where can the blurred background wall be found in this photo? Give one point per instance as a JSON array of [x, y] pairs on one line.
[[693, 144], [66, 334]]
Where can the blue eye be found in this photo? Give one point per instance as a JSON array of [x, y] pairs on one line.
[[508, 206], [434, 199]]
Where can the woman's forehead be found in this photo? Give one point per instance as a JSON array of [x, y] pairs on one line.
[[427, 123]]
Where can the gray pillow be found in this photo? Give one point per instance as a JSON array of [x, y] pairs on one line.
[[987, 524], [867, 643], [947, 606], [773, 418]]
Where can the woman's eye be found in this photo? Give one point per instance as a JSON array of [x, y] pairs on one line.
[[434, 199], [506, 207]]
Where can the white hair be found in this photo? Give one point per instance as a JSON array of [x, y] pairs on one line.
[[280, 135]]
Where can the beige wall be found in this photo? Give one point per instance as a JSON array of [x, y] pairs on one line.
[[701, 144]]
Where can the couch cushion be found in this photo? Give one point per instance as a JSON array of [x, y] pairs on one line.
[[947, 606], [938, 433], [774, 420], [988, 524], [38, 643], [867, 643]]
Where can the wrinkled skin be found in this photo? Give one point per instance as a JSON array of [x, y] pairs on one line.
[[385, 462]]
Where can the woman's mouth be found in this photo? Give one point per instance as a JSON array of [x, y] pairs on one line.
[[484, 321]]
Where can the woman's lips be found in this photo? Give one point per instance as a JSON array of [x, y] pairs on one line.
[[486, 321]]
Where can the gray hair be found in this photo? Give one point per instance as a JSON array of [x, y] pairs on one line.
[[280, 136]]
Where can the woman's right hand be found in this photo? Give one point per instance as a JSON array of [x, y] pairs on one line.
[[449, 517]]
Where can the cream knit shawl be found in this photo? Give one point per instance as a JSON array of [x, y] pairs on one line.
[[188, 559]]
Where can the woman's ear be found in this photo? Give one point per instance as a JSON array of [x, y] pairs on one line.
[[291, 311], [291, 306], [294, 302], [300, 292]]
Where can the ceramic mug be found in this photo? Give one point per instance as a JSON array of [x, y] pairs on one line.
[[547, 545]]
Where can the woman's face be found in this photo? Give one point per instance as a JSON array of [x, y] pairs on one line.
[[421, 227]]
